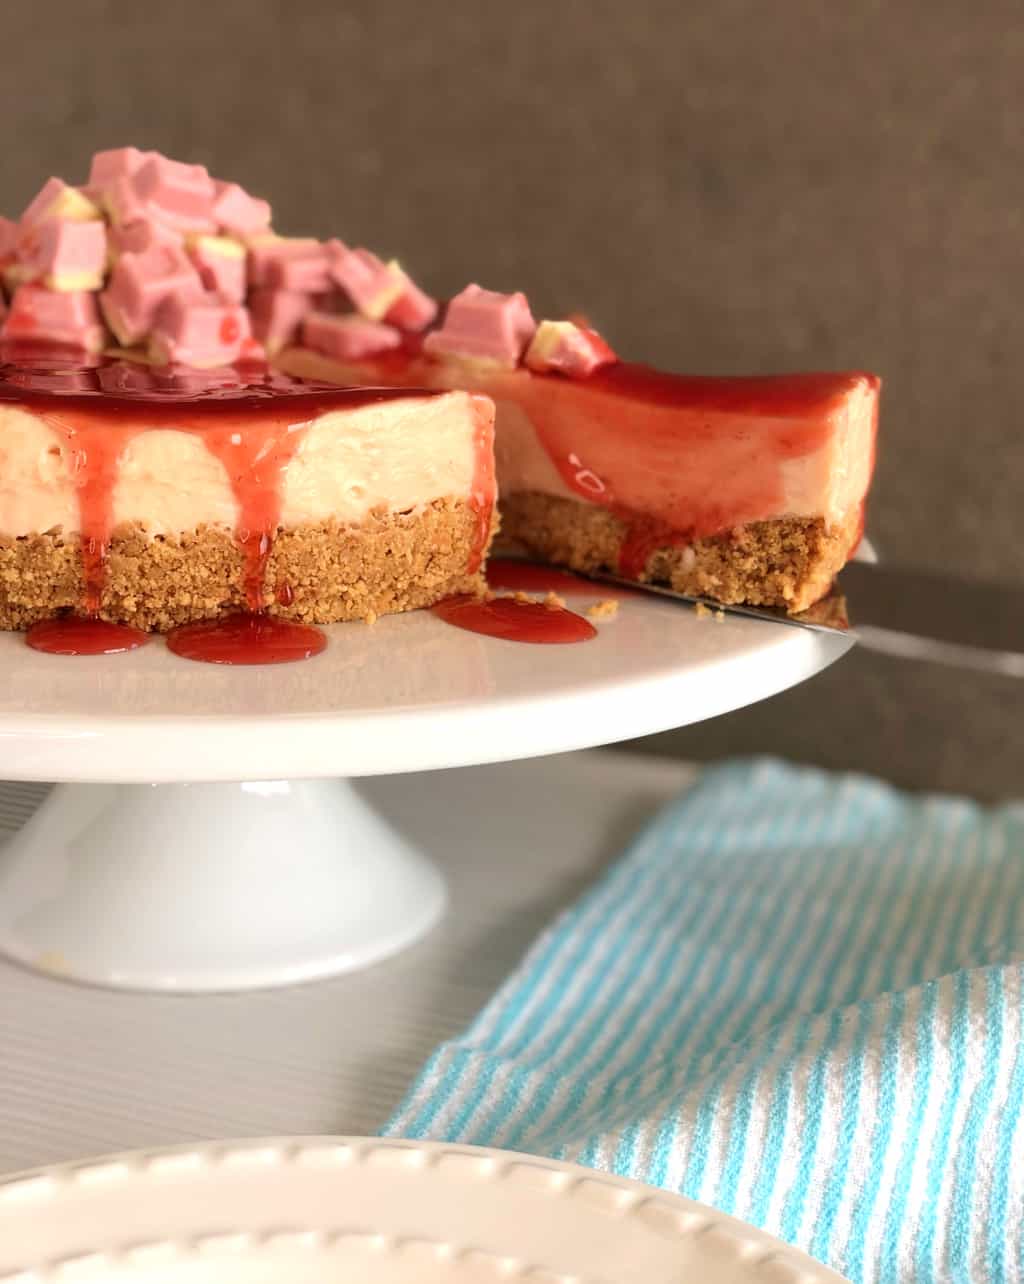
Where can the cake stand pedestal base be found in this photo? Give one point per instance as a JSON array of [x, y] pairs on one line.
[[210, 887]]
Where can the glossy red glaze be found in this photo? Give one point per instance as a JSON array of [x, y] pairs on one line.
[[247, 639], [514, 620], [83, 635]]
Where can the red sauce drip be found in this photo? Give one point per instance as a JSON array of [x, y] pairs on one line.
[[284, 593], [484, 490], [252, 425], [255, 454], [229, 329], [77, 635], [247, 639], [514, 620], [642, 539]]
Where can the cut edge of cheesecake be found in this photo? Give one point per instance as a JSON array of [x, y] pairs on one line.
[[786, 561], [383, 507]]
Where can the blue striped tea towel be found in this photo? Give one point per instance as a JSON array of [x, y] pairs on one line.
[[798, 997]]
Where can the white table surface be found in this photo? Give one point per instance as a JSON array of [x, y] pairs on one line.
[[84, 1072]]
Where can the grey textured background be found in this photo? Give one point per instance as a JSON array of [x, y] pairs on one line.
[[724, 185]]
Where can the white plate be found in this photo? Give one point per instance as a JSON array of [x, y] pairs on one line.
[[409, 694], [359, 1211], [300, 878]]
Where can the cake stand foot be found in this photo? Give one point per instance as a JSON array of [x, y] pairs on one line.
[[210, 887]]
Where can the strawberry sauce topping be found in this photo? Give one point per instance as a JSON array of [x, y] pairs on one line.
[[78, 635], [514, 620], [247, 639]]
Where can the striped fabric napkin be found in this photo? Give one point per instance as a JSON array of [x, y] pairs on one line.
[[798, 997]]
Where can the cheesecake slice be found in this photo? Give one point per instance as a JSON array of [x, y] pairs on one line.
[[157, 498], [745, 490]]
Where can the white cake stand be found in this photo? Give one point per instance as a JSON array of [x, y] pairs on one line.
[[268, 867]]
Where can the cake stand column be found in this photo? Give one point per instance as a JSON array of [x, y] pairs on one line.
[[210, 887]]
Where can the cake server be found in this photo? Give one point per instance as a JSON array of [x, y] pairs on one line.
[[915, 615]]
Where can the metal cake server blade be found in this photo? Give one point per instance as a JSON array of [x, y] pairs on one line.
[[918, 615], [909, 614]]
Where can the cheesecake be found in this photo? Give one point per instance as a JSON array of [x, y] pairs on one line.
[[199, 415]]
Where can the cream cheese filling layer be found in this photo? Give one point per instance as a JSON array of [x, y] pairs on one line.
[[392, 456], [830, 482]]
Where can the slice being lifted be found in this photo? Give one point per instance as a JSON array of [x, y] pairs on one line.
[[744, 490], [133, 486]]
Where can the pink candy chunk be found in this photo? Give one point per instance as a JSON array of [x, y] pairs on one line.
[[483, 325], [568, 349], [66, 253], [140, 283], [348, 338], [269, 250], [308, 273], [413, 309], [204, 332], [39, 206], [141, 235], [180, 194], [119, 162], [123, 203], [57, 200], [236, 211], [68, 318], [374, 287], [276, 315], [221, 266]]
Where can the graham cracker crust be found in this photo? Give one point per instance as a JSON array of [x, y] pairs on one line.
[[320, 574], [787, 562]]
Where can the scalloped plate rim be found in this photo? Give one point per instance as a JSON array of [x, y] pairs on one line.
[[754, 1248]]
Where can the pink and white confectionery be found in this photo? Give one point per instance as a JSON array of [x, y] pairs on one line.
[[200, 416]]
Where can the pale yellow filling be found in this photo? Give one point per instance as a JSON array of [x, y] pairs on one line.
[[392, 456]]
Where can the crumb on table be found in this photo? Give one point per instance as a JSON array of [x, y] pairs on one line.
[[604, 610]]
